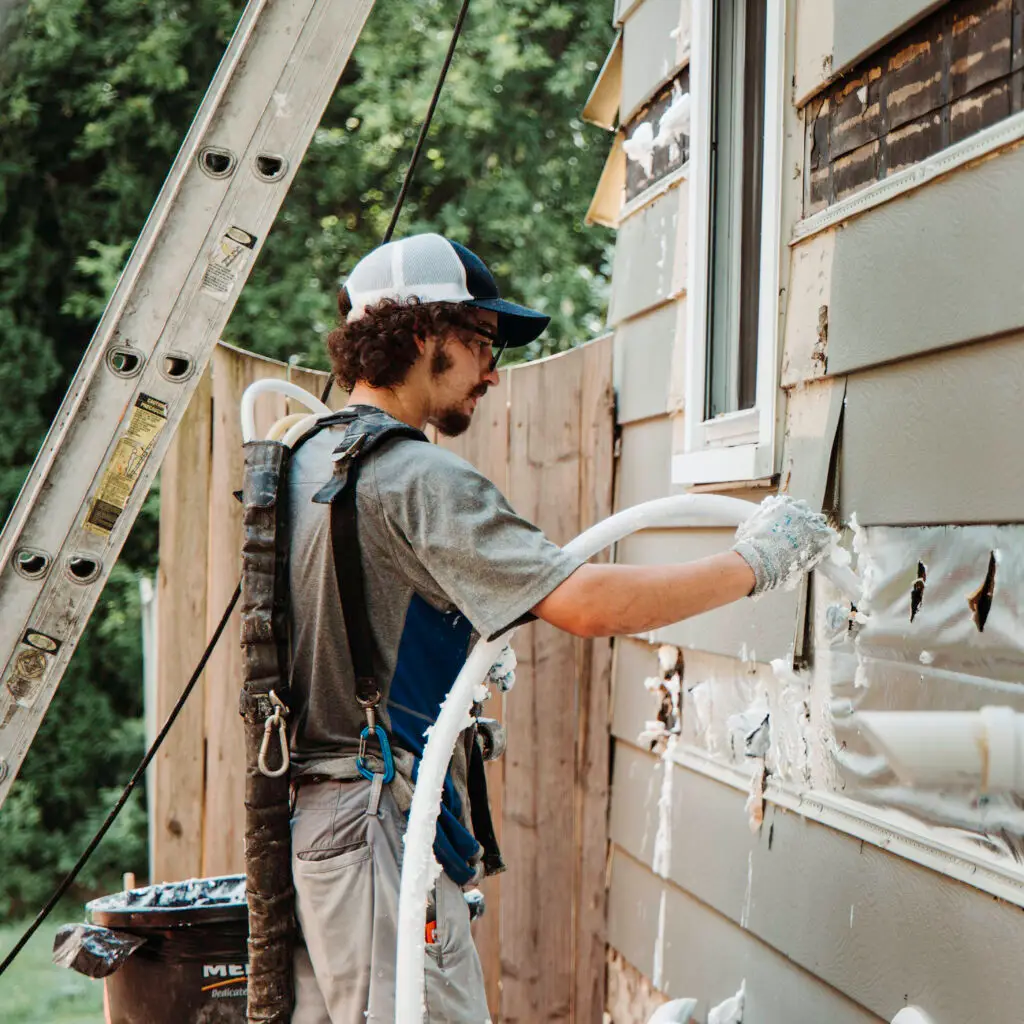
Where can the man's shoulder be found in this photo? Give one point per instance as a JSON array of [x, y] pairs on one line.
[[406, 459]]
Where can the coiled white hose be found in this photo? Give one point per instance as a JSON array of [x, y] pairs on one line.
[[681, 510], [281, 387]]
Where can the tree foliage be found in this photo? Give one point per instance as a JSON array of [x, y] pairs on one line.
[[95, 98]]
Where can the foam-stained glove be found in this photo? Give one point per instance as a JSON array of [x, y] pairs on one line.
[[781, 541]]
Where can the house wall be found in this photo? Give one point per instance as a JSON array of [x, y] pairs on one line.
[[831, 897]]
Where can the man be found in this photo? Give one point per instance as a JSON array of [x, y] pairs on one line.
[[442, 558]]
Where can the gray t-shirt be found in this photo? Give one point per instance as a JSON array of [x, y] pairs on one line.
[[444, 556]]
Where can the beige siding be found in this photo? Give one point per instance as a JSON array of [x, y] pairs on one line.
[[862, 26], [706, 957], [902, 282], [832, 35], [643, 362], [875, 927], [937, 439], [645, 264], [656, 39], [632, 704], [805, 335], [644, 462], [812, 419]]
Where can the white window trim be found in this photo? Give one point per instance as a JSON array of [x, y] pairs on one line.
[[740, 446]]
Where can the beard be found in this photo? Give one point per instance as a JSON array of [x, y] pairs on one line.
[[453, 421]]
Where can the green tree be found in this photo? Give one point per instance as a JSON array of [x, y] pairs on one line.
[[95, 97], [508, 169]]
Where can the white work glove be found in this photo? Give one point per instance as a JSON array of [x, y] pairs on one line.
[[781, 541]]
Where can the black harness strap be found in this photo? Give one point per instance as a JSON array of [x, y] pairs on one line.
[[375, 429]]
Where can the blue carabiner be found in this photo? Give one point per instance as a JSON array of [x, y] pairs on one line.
[[385, 750]]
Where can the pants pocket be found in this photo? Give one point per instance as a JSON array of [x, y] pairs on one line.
[[335, 907], [327, 829]]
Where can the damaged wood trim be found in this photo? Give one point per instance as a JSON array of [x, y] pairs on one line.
[[602, 106], [985, 143], [870, 824]]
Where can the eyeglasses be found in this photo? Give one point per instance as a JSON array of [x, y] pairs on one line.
[[497, 343]]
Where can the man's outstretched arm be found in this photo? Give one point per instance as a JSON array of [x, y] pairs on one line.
[[611, 600], [782, 540]]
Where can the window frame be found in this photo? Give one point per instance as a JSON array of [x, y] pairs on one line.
[[738, 445]]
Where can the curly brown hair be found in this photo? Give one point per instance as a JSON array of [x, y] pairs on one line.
[[380, 347]]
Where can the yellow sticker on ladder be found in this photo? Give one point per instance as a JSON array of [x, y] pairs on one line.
[[226, 262], [149, 417]]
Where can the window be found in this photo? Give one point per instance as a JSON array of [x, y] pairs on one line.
[[736, 78], [737, 147]]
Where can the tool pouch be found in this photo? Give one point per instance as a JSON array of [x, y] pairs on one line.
[[263, 705]]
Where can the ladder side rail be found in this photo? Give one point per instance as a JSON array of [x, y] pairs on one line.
[[105, 400], [128, 281], [42, 619]]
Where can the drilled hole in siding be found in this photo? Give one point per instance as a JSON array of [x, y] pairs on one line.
[[270, 167], [82, 569], [177, 367], [917, 590], [217, 163], [32, 564], [980, 602], [124, 361]]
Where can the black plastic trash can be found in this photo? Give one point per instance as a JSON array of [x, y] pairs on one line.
[[191, 968]]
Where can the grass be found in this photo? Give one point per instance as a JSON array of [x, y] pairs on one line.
[[35, 991]]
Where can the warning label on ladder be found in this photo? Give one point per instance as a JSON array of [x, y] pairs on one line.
[[229, 256], [149, 417]]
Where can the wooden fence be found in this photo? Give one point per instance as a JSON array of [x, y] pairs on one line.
[[545, 437]]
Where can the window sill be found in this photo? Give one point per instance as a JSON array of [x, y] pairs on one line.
[[733, 428], [723, 464]]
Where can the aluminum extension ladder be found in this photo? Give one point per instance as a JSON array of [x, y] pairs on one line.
[[156, 336]]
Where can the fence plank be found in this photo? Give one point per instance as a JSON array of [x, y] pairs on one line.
[[177, 779], [593, 742], [485, 445], [537, 911], [233, 372]]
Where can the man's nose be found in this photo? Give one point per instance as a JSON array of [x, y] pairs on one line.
[[491, 378]]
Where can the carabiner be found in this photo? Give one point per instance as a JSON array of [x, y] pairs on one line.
[[385, 750], [276, 720]]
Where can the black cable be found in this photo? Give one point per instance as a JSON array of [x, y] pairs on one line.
[[426, 122], [414, 159], [70, 877]]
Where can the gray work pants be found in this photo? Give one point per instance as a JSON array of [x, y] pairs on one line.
[[347, 867]]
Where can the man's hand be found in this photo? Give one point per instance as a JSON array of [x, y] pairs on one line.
[[781, 541]]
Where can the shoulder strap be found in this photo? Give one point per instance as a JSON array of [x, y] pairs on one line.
[[362, 438]]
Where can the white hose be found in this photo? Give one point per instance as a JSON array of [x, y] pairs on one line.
[[300, 428], [281, 387], [693, 510]]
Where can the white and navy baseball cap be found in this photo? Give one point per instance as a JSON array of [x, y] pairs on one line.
[[433, 268]]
